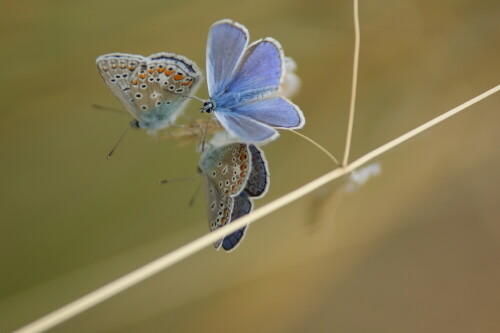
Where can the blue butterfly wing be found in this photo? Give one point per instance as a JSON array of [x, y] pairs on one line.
[[274, 111], [226, 42], [245, 128], [258, 74], [241, 207]]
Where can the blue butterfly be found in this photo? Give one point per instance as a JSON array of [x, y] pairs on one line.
[[234, 174], [242, 82]]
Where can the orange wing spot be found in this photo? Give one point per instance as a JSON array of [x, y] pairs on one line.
[[160, 70], [113, 66], [243, 157], [167, 72], [151, 71], [178, 77], [243, 167], [123, 66], [187, 83], [142, 76], [131, 68], [223, 220], [135, 82], [242, 174]]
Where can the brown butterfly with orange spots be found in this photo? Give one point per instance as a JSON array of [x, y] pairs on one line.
[[153, 89]]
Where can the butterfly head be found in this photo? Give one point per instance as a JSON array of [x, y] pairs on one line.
[[208, 106], [135, 124]]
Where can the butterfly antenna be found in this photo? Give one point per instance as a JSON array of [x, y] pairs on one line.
[[320, 147], [191, 201], [118, 142], [169, 180], [101, 107]]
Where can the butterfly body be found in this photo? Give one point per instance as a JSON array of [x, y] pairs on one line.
[[243, 83], [234, 174], [153, 89]]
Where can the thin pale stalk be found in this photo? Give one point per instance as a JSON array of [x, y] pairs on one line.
[[317, 145], [357, 39]]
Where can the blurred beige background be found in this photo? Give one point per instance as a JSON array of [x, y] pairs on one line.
[[416, 249]]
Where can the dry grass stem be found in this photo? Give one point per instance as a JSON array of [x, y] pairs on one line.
[[357, 40]]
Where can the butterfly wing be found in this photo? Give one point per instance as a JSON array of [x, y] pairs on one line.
[[159, 88], [242, 205], [256, 187], [116, 70], [272, 111], [226, 174], [245, 128], [219, 207], [258, 74], [226, 42], [258, 182]]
